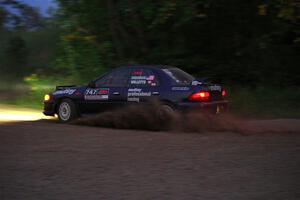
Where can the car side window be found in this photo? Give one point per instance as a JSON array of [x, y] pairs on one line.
[[117, 78], [143, 78]]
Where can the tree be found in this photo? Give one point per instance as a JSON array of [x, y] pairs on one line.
[[248, 43], [16, 14], [16, 58]]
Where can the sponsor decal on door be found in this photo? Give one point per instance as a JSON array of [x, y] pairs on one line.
[[134, 94]]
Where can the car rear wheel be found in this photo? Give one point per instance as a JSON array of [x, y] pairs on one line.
[[67, 111], [165, 112]]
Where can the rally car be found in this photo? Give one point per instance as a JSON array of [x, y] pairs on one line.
[[137, 85]]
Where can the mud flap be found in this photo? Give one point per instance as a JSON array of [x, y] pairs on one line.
[[220, 108]]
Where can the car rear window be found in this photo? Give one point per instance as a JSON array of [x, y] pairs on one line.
[[178, 76]]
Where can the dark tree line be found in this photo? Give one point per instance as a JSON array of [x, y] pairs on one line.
[[241, 42], [18, 15], [27, 41], [244, 42]]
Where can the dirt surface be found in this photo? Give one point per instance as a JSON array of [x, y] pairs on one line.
[[47, 160]]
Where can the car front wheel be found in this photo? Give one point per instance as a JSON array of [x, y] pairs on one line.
[[67, 111]]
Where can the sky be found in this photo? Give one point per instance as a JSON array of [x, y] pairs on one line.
[[42, 5]]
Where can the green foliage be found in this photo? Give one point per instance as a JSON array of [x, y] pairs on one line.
[[28, 41], [248, 43], [15, 54], [23, 53], [79, 58]]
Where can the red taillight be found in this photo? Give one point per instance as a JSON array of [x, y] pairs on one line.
[[199, 96], [223, 93]]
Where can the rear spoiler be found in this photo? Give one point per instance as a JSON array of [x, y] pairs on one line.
[[206, 80], [200, 81], [64, 87]]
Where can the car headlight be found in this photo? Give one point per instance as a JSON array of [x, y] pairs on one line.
[[47, 97]]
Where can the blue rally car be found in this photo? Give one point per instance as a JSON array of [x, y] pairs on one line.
[[172, 87]]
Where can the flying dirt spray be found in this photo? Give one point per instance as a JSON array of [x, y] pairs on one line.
[[148, 118]]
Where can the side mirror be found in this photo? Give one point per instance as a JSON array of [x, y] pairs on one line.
[[92, 84]]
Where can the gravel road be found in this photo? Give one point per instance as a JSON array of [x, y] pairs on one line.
[[47, 160]]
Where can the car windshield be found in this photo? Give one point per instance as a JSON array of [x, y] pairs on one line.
[[178, 76]]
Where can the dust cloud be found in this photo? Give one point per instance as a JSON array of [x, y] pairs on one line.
[[147, 118]]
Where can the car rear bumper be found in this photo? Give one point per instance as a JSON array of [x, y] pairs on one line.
[[49, 109], [213, 106]]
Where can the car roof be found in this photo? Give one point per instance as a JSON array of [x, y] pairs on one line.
[[145, 66]]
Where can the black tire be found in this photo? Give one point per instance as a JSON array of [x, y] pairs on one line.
[[165, 112], [67, 111]]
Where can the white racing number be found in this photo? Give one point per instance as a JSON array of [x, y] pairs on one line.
[[96, 94]]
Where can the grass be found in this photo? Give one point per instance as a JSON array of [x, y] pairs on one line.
[[28, 94], [262, 102], [32, 99], [29, 99], [265, 102]]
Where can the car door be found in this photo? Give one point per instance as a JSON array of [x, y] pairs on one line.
[[144, 85], [110, 92]]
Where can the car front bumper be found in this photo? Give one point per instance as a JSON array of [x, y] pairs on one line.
[[49, 109]]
